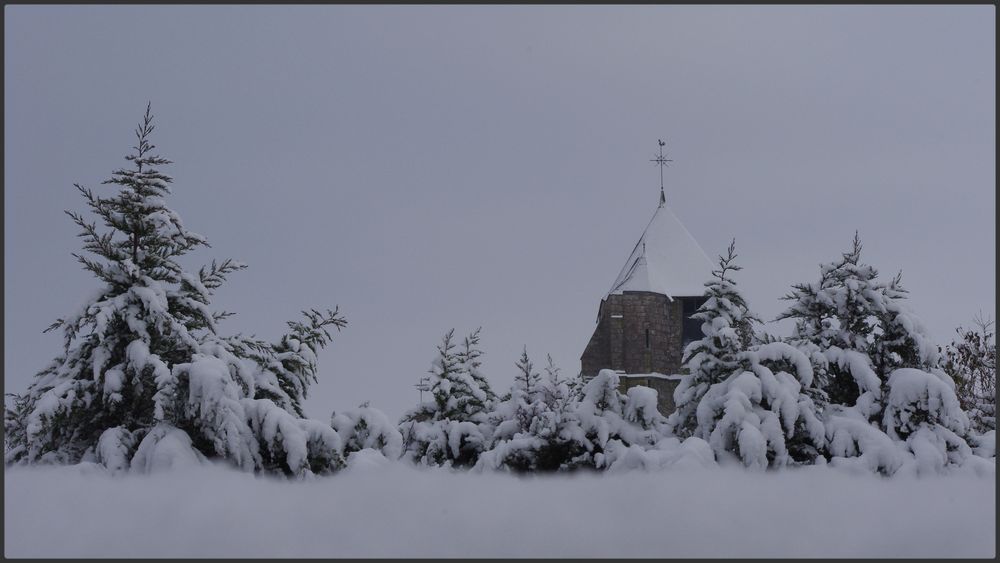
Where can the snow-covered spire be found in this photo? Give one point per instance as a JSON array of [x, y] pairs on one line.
[[666, 260], [674, 264]]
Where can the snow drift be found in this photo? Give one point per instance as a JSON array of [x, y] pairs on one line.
[[379, 509]]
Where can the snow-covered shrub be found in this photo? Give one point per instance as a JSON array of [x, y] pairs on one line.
[[972, 363], [641, 409], [517, 422], [368, 428], [609, 423], [533, 428], [668, 453], [290, 444], [923, 411], [984, 445], [452, 443], [918, 398], [164, 447], [144, 379], [115, 448], [451, 428], [853, 441], [758, 414]]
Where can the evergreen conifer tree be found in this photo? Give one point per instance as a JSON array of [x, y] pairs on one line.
[[856, 330], [556, 390], [514, 422], [836, 320], [143, 363], [480, 396], [535, 428], [901, 340], [727, 325], [447, 429], [527, 382]]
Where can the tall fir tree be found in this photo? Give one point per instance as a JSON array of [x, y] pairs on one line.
[[838, 314], [727, 326], [743, 393], [856, 329], [142, 360]]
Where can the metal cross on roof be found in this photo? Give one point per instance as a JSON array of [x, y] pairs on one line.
[[660, 160]]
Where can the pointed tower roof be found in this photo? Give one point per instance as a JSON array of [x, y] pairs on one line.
[[666, 260]]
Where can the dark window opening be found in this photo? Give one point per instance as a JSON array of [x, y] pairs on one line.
[[647, 339]]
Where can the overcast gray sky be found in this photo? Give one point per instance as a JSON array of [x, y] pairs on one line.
[[429, 167]]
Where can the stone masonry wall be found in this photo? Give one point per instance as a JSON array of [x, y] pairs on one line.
[[620, 340]]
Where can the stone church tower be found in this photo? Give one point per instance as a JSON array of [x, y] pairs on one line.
[[643, 322]]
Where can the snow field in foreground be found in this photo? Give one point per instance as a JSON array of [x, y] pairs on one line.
[[394, 510]]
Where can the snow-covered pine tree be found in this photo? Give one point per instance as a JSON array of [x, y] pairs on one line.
[[608, 427], [857, 330], [727, 325], [448, 428], [536, 427], [556, 423], [890, 405], [835, 320], [901, 340], [918, 404], [444, 370], [480, 396], [514, 440], [144, 379], [293, 360], [743, 393], [527, 382], [526, 398], [556, 390], [760, 414]]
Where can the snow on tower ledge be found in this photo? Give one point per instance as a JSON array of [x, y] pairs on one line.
[[666, 260]]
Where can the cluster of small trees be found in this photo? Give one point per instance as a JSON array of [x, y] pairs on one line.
[[145, 379], [543, 423], [858, 383]]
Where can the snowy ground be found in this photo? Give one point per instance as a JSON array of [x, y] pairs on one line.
[[398, 511]]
